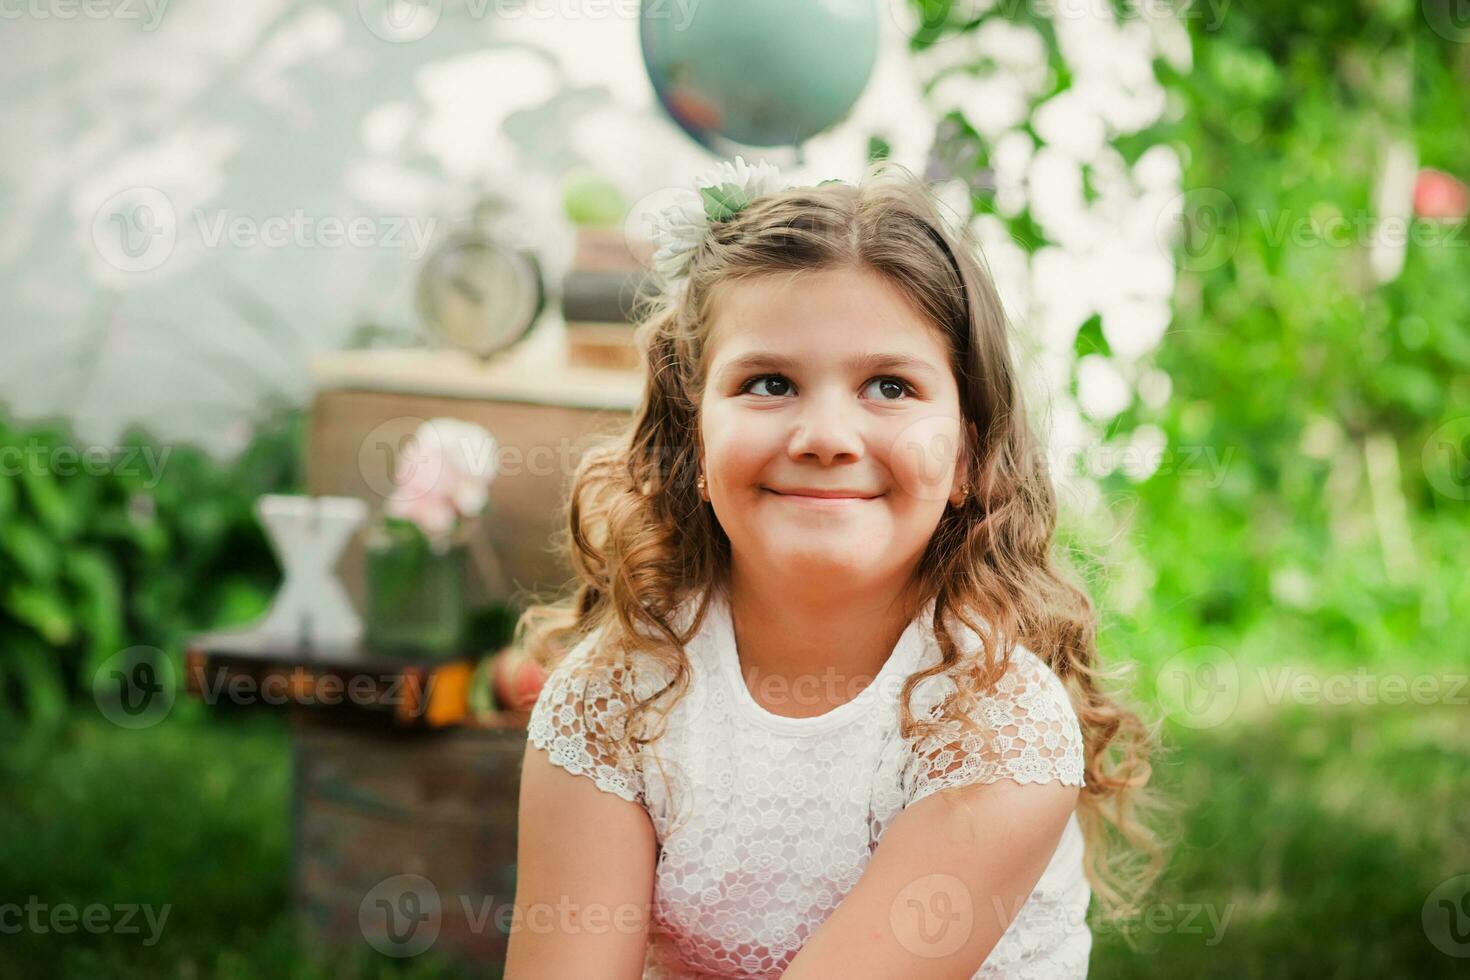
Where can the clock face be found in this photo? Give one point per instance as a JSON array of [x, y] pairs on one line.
[[477, 295]]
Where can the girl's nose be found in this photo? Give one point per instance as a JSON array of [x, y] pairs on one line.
[[827, 428]]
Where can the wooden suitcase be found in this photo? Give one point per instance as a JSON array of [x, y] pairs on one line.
[[542, 411]]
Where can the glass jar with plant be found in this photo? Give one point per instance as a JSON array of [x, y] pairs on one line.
[[417, 553]]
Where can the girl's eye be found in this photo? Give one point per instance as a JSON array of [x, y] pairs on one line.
[[889, 388], [782, 385], [894, 387]]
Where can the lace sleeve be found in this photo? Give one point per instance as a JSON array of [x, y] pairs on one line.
[[575, 718], [1032, 736]]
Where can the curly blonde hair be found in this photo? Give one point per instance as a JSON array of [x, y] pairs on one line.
[[640, 538]]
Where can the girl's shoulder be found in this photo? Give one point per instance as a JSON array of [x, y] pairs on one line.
[[613, 674], [1025, 727], [1027, 676], [581, 713]]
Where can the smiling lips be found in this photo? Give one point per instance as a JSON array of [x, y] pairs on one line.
[[823, 496]]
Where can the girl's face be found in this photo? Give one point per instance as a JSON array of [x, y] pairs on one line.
[[830, 427]]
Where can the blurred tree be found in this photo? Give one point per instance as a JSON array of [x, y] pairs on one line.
[[1310, 405]]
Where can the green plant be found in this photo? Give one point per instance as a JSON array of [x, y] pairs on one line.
[[1317, 377], [103, 550]]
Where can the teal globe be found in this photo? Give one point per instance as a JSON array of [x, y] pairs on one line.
[[758, 72]]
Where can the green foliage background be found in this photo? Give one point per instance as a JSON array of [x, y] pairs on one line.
[[125, 550]]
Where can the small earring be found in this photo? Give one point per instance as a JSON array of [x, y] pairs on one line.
[[964, 495], [700, 484]]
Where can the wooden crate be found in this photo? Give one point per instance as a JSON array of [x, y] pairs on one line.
[[397, 779], [371, 804]]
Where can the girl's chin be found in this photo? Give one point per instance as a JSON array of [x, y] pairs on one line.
[[813, 566]]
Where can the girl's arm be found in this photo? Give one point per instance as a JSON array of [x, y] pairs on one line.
[[584, 878], [944, 883], [981, 820]]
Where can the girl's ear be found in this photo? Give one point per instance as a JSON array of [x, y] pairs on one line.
[[964, 471], [698, 453]]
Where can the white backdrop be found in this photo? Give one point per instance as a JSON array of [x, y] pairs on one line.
[[199, 193]]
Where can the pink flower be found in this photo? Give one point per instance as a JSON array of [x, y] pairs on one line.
[[442, 475]]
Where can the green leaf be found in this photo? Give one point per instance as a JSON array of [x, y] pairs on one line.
[[99, 604], [50, 503], [42, 686], [723, 202], [7, 497], [145, 534], [42, 610], [34, 554], [239, 600]]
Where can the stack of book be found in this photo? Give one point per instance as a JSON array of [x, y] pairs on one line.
[[600, 297]]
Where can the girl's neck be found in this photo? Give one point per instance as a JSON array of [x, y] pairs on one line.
[[811, 645]]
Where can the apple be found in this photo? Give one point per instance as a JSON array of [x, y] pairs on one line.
[[592, 200], [516, 679], [1439, 196]]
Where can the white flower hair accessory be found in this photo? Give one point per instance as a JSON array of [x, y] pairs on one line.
[[718, 196]]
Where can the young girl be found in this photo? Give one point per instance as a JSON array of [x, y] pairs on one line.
[[816, 589]]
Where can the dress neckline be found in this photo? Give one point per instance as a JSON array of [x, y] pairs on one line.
[[719, 629]]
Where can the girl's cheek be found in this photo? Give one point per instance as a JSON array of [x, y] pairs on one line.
[[739, 452], [746, 434], [922, 454]]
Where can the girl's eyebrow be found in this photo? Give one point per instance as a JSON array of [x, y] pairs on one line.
[[764, 360]]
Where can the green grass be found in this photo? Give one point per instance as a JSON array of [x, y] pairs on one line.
[[192, 814], [1320, 831]]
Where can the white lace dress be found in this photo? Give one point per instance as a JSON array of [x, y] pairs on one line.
[[765, 822]]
